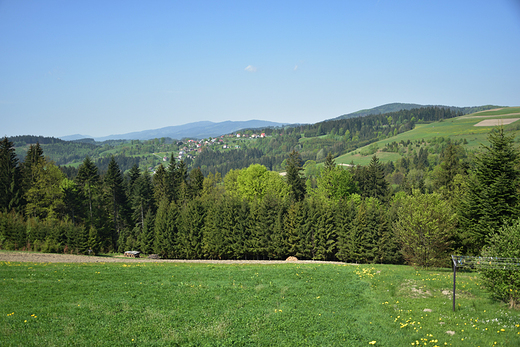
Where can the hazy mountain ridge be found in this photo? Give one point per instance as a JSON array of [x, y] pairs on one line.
[[197, 130]]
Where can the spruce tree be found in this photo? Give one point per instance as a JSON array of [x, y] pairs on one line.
[[160, 185], [116, 197], [93, 242], [88, 182], [376, 185], [10, 178], [33, 158], [492, 197], [294, 176], [146, 238], [325, 232], [141, 198]]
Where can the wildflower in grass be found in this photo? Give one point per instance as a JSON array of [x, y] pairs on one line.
[[372, 343]]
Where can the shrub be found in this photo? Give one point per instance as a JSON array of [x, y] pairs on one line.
[[424, 228], [504, 284]]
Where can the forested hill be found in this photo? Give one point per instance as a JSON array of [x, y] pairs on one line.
[[314, 141], [395, 107]]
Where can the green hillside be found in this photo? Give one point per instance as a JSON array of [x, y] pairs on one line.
[[460, 128]]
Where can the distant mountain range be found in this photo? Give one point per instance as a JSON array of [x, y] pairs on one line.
[[196, 130]]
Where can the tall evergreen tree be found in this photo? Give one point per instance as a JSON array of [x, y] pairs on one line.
[[10, 178], [492, 197], [116, 198], [71, 200], [196, 182], [141, 198], [88, 182], [160, 185], [375, 184], [146, 238], [191, 223], [166, 242], [33, 157], [325, 235], [294, 176]]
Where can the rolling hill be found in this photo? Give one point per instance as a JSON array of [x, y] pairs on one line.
[[394, 107], [460, 128]]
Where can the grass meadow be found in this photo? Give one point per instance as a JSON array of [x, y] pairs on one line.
[[201, 304]]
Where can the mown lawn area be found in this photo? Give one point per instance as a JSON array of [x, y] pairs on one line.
[[293, 304]]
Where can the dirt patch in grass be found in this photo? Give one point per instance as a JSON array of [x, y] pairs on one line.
[[35, 257], [412, 289], [496, 122]]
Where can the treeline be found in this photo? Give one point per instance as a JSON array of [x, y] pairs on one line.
[[334, 213]]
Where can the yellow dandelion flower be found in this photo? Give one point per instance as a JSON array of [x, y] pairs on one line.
[[372, 343]]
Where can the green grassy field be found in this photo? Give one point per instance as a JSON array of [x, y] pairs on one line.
[[457, 129], [168, 304]]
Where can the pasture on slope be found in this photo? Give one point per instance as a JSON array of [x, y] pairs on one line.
[[459, 128], [290, 304]]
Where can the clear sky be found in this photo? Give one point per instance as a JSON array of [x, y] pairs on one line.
[[111, 67]]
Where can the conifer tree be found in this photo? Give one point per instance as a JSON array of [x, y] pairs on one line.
[[171, 233], [71, 200], [146, 238], [196, 183], [33, 158], [88, 182], [10, 177], [141, 198], [376, 184], [294, 176], [242, 230], [160, 185], [93, 243], [325, 232], [191, 223], [213, 239], [492, 197], [347, 211], [354, 245], [116, 197]]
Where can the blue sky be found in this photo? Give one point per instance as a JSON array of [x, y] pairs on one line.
[[110, 67]]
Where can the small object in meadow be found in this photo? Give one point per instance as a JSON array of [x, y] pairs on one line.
[[427, 310], [291, 258], [450, 332]]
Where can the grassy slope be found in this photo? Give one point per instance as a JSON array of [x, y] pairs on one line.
[[117, 304], [456, 128]]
